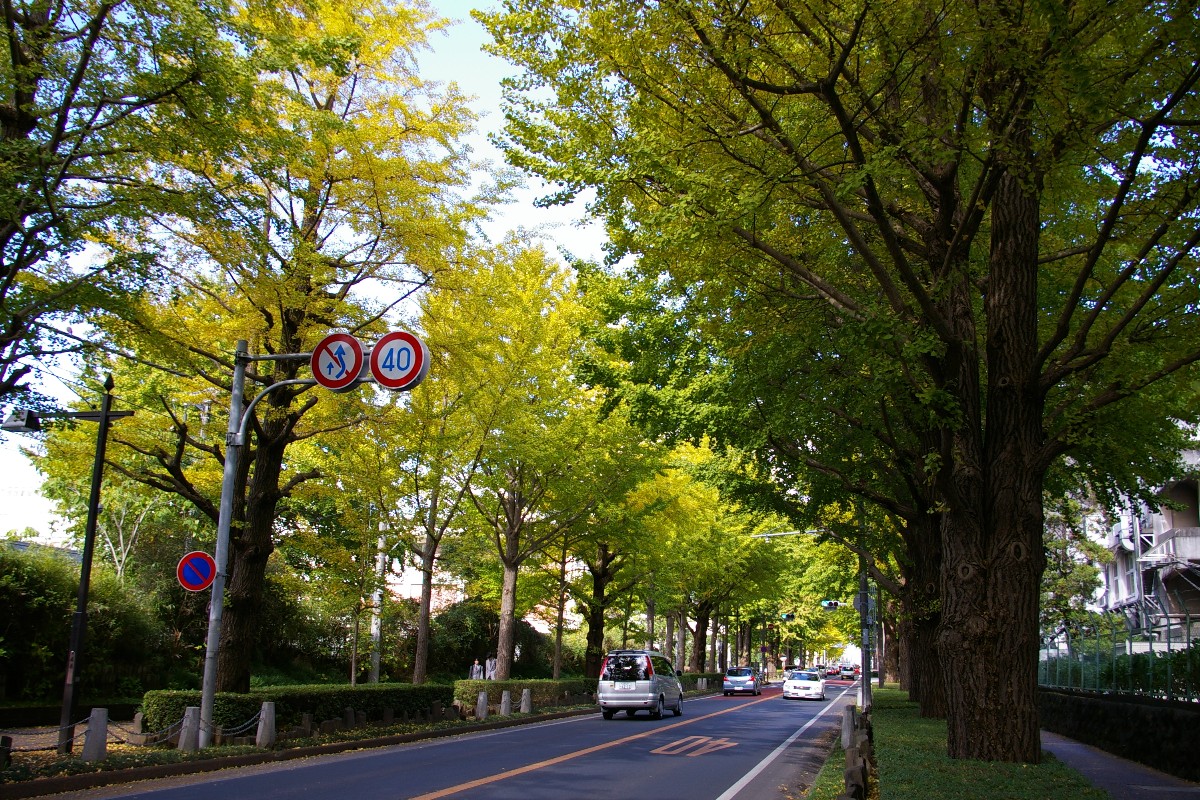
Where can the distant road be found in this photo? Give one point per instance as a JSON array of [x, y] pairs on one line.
[[722, 748]]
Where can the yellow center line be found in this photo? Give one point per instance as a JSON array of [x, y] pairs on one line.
[[512, 773]]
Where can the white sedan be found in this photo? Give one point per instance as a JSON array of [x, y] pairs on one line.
[[803, 683]]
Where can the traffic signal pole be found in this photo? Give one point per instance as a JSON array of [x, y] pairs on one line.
[[864, 615]]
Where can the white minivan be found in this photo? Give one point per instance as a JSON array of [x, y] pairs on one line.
[[636, 680]]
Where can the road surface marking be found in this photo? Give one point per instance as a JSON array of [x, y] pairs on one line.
[[699, 745], [512, 773], [732, 791]]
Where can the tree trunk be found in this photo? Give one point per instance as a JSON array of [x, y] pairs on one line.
[[992, 535], [559, 612], [700, 637], [424, 613], [250, 548], [508, 608], [922, 606], [650, 623], [354, 649], [712, 649], [602, 570], [670, 638], [680, 640], [594, 654]]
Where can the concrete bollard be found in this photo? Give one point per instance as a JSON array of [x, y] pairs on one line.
[[481, 706], [189, 734], [526, 701], [265, 735], [95, 741], [348, 718], [137, 736], [848, 723], [506, 703]]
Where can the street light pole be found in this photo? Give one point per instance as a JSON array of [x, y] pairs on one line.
[[66, 732]]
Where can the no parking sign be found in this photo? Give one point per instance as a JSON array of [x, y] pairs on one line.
[[196, 571]]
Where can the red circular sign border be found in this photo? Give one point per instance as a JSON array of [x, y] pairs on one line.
[[415, 375], [341, 384], [187, 558]]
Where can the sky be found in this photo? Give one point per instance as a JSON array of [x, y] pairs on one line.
[[455, 56]]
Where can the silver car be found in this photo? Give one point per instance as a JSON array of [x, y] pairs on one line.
[[740, 679], [635, 680]]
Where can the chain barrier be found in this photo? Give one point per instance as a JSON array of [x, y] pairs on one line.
[[32, 737], [42, 733], [149, 738], [245, 726]]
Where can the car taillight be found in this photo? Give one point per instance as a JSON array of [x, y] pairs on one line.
[[649, 667], [603, 666]]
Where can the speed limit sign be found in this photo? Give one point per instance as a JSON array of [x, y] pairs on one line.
[[399, 361]]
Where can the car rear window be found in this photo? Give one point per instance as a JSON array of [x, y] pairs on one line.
[[626, 668], [740, 672], [806, 676]]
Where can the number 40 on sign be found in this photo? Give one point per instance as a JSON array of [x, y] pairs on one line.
[[399, 361]]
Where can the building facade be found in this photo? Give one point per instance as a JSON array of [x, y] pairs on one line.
[[1153, 579]]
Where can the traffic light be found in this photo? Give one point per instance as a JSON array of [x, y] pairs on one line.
[[787, 615], [829, 605]]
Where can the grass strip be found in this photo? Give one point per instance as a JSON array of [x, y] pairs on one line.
[[913, 765]]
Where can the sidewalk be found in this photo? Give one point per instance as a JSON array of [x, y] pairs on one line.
[[1122, 779]]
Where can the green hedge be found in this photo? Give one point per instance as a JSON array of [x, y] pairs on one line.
[[543, 692], [689, 680], [164, 708]]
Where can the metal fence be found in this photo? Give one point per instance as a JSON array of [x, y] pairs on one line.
[[1162, 661]]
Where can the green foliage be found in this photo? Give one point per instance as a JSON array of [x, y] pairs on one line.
[[542, 693], [84, 115], [469, 630], [122, 647], [164, 708], [1097, 658], [1073, 563]]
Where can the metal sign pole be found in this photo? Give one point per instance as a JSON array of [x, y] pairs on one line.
[[233, 451]]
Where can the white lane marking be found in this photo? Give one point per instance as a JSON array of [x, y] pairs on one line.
[[732, 791]]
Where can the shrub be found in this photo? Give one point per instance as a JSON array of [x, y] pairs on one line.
[[164, 708]]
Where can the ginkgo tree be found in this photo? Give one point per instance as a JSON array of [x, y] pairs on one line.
[[343, 200], [554, 456], [89, 94], [993, 202]]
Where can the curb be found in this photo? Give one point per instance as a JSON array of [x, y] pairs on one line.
[[94, 780]]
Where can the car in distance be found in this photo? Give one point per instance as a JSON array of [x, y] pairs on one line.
[[804, 683], [740, 679], [636, 680], [847, 672]]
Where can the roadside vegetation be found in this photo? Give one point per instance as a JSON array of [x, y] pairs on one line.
[[38, 764], [912, 764], [924, 331]]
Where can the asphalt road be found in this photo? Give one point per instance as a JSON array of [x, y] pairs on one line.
[[722, 748]]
